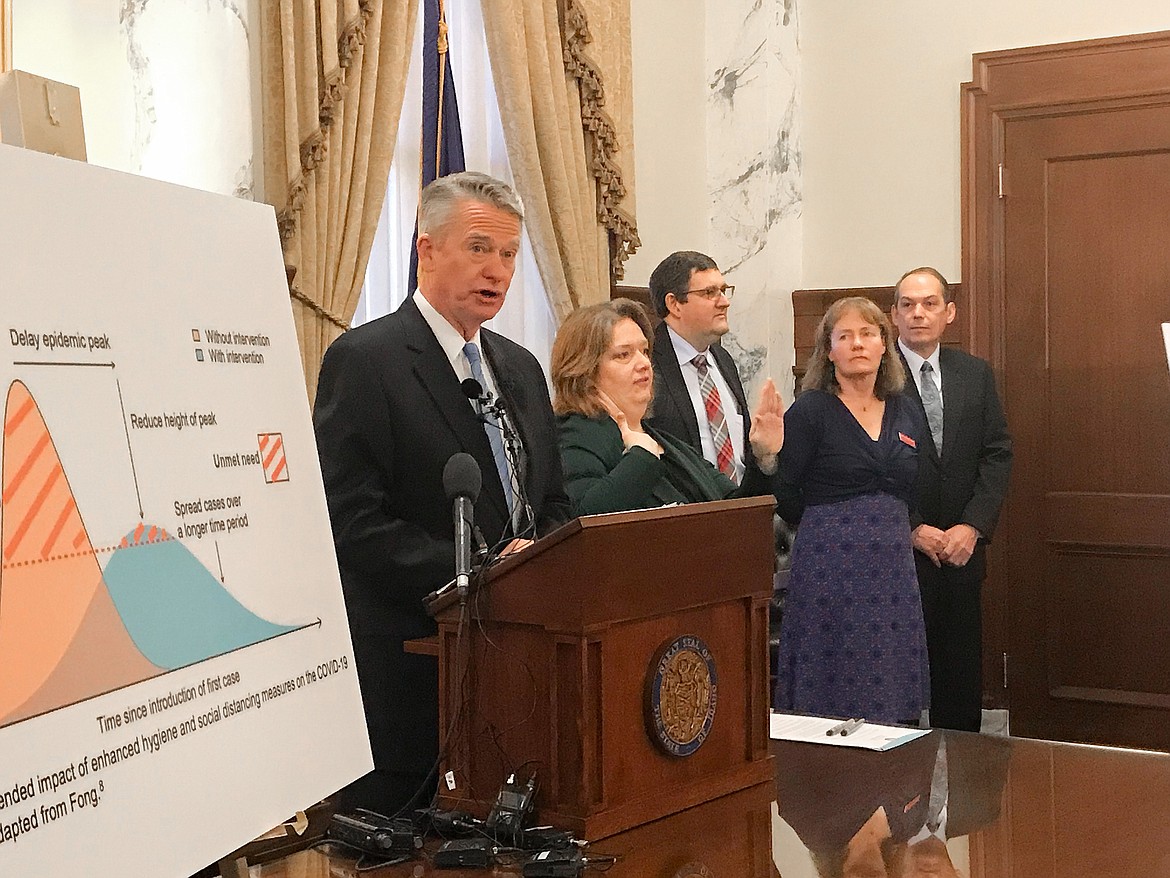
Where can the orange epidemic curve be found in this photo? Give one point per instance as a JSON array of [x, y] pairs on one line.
[[61, 638]]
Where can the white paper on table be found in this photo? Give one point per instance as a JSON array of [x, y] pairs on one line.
[[812, 729]]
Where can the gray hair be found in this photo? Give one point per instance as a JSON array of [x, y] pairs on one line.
[[440, 197]]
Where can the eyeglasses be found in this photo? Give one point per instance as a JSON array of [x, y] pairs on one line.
[[714, 292]]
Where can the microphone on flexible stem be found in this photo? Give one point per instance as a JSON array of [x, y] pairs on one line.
[[461, 482], [472, 389], [488, 404]]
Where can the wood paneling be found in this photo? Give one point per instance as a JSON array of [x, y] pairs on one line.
[[638, 294], [1068, 273], [1086, 275]]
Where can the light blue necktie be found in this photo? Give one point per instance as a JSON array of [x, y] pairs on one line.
[[491, 426], [932, 403], [938, 791]]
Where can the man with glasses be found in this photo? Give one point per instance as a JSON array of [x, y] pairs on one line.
[[698, 396]]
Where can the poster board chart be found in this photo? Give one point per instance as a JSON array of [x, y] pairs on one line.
[[175, 647]]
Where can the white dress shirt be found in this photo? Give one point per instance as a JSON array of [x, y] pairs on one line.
[[914, 361], [452, 342], [686, 352]]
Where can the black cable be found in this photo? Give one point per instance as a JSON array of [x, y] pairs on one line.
[[361, 854], [514, 452], [431, 778], [462, 704], [597, 862], [477, 588]]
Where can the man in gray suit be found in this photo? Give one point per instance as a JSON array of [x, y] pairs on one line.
[[963, 467]]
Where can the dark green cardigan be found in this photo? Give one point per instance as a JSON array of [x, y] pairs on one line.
[[601, 476]]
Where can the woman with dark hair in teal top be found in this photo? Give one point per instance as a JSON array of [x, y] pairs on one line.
[[603, 383]]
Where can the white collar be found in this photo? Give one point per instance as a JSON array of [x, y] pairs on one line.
[[449, 338], [915, 361], [683, 349]]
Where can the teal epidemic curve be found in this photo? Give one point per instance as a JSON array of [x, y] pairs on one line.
[[174, 609]]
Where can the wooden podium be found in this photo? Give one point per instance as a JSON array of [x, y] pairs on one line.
[[567, 651]]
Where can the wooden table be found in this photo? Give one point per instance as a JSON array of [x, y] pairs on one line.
[[1015, 809]]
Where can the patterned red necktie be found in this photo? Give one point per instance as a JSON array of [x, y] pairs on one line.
[[724, 452]]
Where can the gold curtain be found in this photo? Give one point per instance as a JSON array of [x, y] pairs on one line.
[[5, 35], [598, 55], [563, 159], [334, 76]]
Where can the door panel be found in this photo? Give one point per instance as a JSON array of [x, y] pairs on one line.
[[1087, 284]]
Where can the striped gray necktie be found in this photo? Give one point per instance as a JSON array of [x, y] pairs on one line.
[[932, 402], [713, 405]]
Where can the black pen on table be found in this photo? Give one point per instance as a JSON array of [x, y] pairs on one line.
[[845, 728]]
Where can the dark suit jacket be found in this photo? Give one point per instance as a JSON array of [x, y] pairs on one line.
[[967, 485], [601, 476], [671, 411], [827, 793], [977, 771], [389, 414]]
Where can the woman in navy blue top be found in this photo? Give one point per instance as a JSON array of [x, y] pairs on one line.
[[852, 640]]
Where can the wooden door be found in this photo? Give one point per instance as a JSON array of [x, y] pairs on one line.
[[1087, 259], [1075, 282]]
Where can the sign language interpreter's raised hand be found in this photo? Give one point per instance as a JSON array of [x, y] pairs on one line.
[[632, 435]]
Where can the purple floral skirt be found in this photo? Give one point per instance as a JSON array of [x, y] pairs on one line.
[[852, 640]]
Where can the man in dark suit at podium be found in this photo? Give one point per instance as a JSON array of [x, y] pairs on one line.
[[964, 463], [698, 396], [390, 412]]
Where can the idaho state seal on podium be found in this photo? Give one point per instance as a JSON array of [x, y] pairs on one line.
[[680, 695]]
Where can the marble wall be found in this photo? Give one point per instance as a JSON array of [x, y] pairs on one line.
[[190, 67], [753, 176], [169, 88]]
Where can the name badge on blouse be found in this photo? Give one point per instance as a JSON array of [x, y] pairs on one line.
[[908, 441]]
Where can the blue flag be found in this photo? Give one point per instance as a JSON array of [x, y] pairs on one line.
[[442, 139]]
